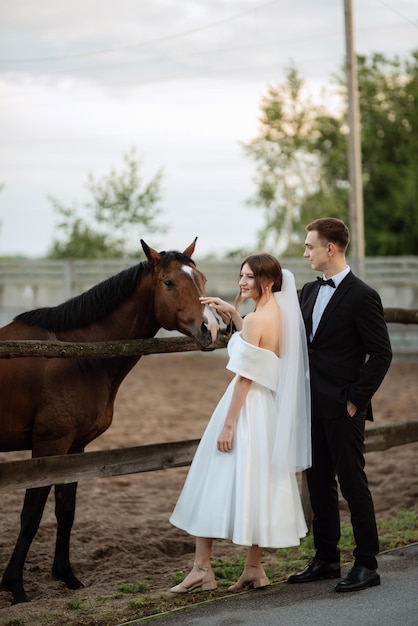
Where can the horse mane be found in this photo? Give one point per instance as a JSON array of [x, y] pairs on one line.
[[90, 306], [98, 301]]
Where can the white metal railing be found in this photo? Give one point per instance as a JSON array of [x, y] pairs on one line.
[[81, 271], [27, 284]]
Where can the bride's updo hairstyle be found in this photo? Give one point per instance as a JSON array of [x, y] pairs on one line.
[[266, 268]]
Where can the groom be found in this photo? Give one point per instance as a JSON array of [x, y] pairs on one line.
[[349, 354]]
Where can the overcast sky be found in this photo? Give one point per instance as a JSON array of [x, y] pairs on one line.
[[83, 82]]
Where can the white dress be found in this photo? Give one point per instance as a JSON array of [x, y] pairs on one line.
[[241, 495]]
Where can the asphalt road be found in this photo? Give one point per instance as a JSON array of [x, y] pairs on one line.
[[393, 603]]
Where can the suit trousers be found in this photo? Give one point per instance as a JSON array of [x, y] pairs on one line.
[[338, 450]]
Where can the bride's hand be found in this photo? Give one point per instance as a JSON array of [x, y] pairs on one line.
[[223, 308], [225, 439]]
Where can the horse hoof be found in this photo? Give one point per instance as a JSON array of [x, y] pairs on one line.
[[68, 579], [20, 599], [17, 591], [74, 583]]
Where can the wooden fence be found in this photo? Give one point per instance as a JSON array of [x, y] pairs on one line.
[[102, 464], [121, 461]]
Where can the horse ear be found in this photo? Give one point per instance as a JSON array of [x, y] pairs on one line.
[[152, 255], [189, 251]]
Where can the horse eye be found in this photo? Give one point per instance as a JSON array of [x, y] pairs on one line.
[[169, 283]]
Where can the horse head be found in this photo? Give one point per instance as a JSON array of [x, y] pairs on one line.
[[178, 286]]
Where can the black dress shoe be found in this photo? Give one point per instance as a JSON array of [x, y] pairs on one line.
[[358, 578], [316, 570]]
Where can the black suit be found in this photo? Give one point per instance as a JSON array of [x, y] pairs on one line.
[[349, 356]]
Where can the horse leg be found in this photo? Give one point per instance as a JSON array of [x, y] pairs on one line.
[[30, 518], [65, 498]]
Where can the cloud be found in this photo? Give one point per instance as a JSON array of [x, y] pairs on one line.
[[84, 81]]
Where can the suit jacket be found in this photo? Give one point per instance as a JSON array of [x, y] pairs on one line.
[[350, 352]]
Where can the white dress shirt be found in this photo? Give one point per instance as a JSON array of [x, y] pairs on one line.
[[324, 296]]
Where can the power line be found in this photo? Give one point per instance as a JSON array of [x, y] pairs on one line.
[[404, 17], [143, 44], [195, 55]]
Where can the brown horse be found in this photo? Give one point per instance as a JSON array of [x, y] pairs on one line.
[[57, 406]]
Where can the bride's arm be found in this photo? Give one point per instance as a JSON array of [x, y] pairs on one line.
[[241, 387], [252, 329]]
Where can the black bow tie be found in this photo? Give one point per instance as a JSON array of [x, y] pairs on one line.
[[329, 282]]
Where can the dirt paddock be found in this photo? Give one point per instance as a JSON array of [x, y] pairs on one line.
[[121, 531]]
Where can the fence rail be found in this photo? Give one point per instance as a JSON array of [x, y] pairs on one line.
[[66, 469], [139, 347], [100, 349]]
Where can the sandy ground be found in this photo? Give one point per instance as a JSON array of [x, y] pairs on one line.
[[121, 532]]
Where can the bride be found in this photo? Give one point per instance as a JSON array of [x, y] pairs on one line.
[[242, 482]]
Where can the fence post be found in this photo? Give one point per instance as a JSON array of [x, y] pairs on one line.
[[68, 278]]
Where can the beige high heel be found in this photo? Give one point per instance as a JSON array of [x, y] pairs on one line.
[[207, 583], [246, 581]]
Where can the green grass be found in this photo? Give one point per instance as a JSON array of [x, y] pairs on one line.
[[129, 600], [394, 533], [132, 587], [15, 621], [75, 604]]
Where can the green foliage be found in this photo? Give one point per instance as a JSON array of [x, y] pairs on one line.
[[15, 621], [131, 587], [80, 240], [138, 603], [285, 167], [388, 101], [122, 210], [1, 187], [75, 604], [401, 530], [301, 156], [226, 571], [389, 114]]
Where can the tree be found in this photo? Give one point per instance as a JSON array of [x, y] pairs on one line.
[[286, 171], [329, 144], [389, 115], [1, 187], [123, 209], [301, 156], [388, 99]]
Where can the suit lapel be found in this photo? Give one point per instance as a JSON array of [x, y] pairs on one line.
[[307, 307]]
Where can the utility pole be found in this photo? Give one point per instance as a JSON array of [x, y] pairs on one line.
[[354, 148]]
